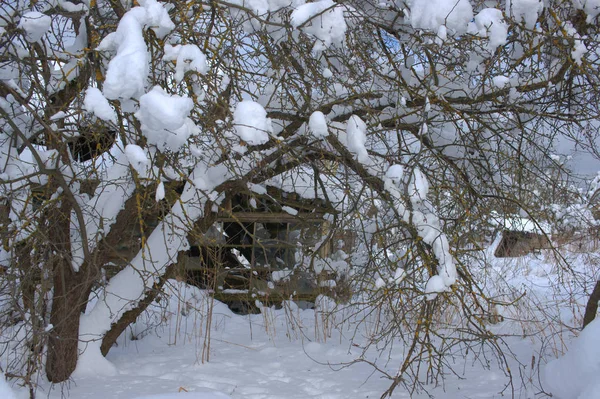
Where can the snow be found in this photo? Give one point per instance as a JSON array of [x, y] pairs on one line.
[[164, 118], [201, 394], [160, 192], [128, 286], [35, 24], [157, 17], [70, 7], [101, 210], [5, 390], [500, 81], [435, 285], [270, 365], [518, 223], [526, 11], [318, 124], [281, 275], [575, 375], [289, 210], [419, 186], [399, 275], [296, 354], [187, 57], [490, 23], [97, 104], [356, 131], [434, 14], [160, 110], [251, 122], [128, 70], [395, 173], [322, 19], [579, 48], [137, 158]]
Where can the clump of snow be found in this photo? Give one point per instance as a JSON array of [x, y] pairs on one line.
[[490, 23], [318, 124], [97, 104], [251, 122], [137, 158], [128, 70], [5, 390], [257, 188], [435, 285], [71, 7], [289, 210], [500, 81], [157, 17], [579, 48], [160, 192], [322, 19], [526, 11], [164, 118], [419, 186], [433, 14], [35, 24], [429, 228], [395, 173], [281, 275], [58, 115], [187, 57], [357, 137], [575, 375]]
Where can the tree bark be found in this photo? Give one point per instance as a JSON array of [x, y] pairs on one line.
[[131, 315], [71, 292], [592, 305], [70, 296]]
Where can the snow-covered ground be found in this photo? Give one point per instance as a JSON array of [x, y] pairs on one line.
[[293, 353]]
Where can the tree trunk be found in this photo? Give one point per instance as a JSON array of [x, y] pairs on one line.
[[592, 305], [70, 294], [131, 315]]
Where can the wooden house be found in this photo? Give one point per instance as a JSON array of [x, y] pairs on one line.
[[253, 250], [521, 236]]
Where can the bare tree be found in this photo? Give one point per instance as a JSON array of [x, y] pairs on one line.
[[415, 124]]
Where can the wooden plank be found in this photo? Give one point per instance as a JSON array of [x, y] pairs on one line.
[[272, 297], [273, 217]]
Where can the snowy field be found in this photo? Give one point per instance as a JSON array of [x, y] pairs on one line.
[[293, 353]]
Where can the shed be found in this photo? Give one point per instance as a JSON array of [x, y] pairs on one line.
[[251, 252], [521, 236]]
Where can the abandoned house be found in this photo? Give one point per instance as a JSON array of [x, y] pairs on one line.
[[521, 236], [261, 248]]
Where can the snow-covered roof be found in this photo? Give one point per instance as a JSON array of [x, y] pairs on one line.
[[518, 223]]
